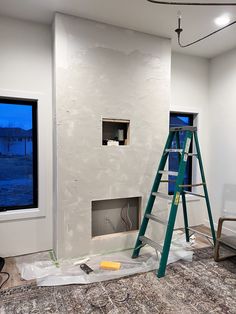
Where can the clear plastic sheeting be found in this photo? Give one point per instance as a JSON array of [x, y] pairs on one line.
[[64, 272]]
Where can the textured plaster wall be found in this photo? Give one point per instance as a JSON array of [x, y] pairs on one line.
[[221, 131], [103, 71]]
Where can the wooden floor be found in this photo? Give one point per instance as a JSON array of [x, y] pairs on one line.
[[15, 278]]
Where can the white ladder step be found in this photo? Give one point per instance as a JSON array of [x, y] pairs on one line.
[[150, 242], [163, 195], [169, 173], [155, 218]]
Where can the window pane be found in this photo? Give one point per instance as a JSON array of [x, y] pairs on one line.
[[18, 168], [179, 120]]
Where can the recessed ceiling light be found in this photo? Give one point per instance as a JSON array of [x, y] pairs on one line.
[[222, 20]]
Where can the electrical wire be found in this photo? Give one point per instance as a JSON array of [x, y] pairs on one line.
[[178, 31], [128, 217], [110, 222], [193, 3], [8, 276], [123, 219]]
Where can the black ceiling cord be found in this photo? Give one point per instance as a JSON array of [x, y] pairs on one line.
[[8, 276], [2, 263], [193, 3], [179, 31]]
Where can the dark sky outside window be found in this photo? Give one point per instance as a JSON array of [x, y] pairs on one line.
[[18, 154], [16, 116], [175, 121]]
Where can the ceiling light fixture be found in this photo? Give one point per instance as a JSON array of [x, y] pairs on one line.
[[179, 30], [222, 20]]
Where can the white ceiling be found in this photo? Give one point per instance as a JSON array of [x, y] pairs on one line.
[[138, 15]]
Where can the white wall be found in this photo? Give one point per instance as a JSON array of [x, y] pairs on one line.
[[221, 130], [190, 93], [189, 82], [104, 71], [25, 67]]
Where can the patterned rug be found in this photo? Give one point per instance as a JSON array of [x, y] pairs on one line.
[[202, 286]]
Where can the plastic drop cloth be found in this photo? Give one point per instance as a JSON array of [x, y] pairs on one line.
[[64, 272]]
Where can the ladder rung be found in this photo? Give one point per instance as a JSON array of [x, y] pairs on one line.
[[162, 195], [168, 181], [155, 218], [150, 242], [194, 194], [191, 185], [200, 233], [183, 128], [169, 173], [173, 150]]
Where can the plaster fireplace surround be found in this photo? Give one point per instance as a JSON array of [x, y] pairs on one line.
[[105, 72]]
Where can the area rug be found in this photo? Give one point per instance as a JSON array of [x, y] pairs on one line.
[[200, 286]]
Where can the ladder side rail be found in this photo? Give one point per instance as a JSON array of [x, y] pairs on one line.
[[178, 147], [152, 197], [184, 206], [185, 214], [205, 187], [174, 206]]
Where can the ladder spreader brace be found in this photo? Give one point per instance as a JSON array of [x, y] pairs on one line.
[[179, 192]]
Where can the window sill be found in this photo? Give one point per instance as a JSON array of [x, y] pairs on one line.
[[21, 214]]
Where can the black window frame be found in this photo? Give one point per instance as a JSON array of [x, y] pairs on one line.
[[34, 104], [190, 161]]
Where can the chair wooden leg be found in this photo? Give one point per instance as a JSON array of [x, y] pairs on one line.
[[217, 257], [216, 253]]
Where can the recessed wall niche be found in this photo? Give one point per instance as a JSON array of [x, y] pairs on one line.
[[115, 215], [115, 132]]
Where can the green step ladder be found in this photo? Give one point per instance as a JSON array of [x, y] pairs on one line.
[[179, 193]]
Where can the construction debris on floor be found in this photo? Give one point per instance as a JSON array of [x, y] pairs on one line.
[[50, 272]]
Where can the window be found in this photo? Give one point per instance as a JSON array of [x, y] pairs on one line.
[[18, 155], [180, 119]]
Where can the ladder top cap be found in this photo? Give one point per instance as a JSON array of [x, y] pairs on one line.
[[183, 128]]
